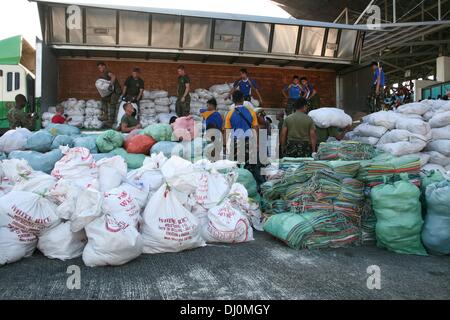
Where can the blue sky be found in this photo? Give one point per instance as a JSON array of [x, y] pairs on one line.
[[21, 17]]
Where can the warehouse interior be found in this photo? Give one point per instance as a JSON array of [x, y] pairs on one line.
[[328, 41]]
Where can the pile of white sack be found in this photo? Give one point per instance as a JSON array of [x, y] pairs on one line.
[[93, 113], [156, 107], [330, 117], [419, 128], [47, 116], [98, 210], [75, 110]]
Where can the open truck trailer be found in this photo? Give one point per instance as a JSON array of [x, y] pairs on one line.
[[17, 76]]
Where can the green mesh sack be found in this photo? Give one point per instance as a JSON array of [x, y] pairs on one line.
[[134, 161], [399, 219], [159, 131], [246, 178], [109, 140]]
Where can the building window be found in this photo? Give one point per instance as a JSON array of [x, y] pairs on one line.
[[16, 81], [9, 82]]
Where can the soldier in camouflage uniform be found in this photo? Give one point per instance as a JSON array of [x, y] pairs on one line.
[[110, 103], [298, 136], [183, 104], [19, 118]]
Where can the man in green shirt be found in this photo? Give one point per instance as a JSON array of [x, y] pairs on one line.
[[298, 136], [134, 87], [129, 121], [109, 103], [183, 105], [17, 117]]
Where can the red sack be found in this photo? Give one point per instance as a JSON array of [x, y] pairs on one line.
[[139, 144]]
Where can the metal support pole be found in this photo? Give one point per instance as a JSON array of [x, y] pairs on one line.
[[439, 10], [394, 11]]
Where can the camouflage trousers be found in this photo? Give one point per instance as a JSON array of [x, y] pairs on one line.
[[110, 106], [183, 109], [298, 150]]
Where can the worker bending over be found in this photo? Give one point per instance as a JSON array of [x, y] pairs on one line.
[[298, 136]]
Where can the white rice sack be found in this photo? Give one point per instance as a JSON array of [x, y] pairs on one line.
[[103, 87], [438, 158], [368, 130], [440, 120], [204, 94], [162, 101], [165, 117], [173, 100], [156, 94], [255, 103], [93, 104], [70, 103], [197, 105], [386, 119], [221, 88], [403, 147], [330, 117], [93, 112], [415, 126], [441, 133], [427, 116], [441, 146], [398, 135], [414, 108], [173, 107], [76, 121], [369, 140], [162, 109]]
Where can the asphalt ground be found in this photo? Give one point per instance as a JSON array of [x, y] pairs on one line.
[[261, 269]]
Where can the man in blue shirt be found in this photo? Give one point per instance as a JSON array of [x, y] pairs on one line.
[[292, 93], [309, 93], [378, 81], [213, 119], [246, 86]]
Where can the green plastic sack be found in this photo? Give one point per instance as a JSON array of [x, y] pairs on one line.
[[62, 129], [134, 161], [436, 230], [246, 178], [44, 162], [88, 141], [40, 141], [62, 140], [399, 220], [430, 177], [109, 140], [3, 156], [159, 131], [280, 225]]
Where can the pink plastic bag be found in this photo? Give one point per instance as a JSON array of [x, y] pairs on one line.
[[185, 128]]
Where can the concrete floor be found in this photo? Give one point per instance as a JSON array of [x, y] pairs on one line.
[[262, 269]]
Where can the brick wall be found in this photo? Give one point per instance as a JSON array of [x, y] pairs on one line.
[[77, 78]]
